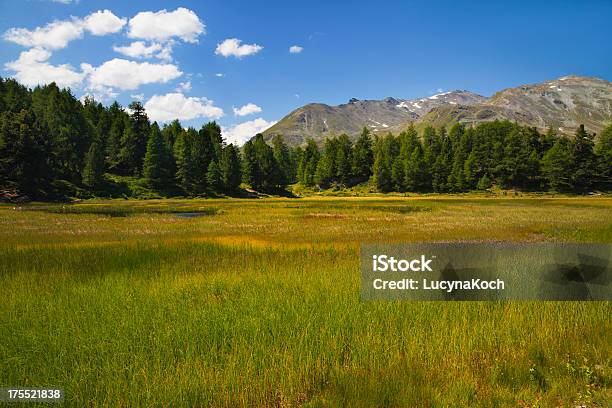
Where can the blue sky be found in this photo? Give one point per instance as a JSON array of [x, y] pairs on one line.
[[361, 49]]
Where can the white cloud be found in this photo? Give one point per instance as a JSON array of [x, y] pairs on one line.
[[32, 68], [248, 109], [127, 75], [103, 22], [232, 47], [54, 35], [295, 49], [138, 97], [59, 33], [139, 49], [184, 86], [219, 75], [164, 108], [163, 25], [242, 132]]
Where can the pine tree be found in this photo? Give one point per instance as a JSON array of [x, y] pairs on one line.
[[129, 154], [250, 170], [363, 157], [515, 168], [456, 180], [69, 134], [141, 129], [557, 166], [484, 183], [268, 168], [344, 160], [585, 162], [386, 149], [326, 167], [186, 169], [441, 168], [157, 169], [94, 165], [603, 150], [308, 164], [214, 177], [24, 154], [282, 156], [171, 132], [397, 174], [230, 169], [414, 171], [260, 169], [113, 142]]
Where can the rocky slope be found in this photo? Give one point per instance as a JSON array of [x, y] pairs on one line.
[[563, 103], [318, 120]]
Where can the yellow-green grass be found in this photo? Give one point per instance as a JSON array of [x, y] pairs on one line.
[[257, 303]]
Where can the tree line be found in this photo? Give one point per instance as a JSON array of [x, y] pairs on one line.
[[52, 145]]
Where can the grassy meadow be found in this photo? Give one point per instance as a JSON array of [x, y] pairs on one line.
[[257, 303]]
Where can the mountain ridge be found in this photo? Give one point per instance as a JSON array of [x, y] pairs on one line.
[[562, 103]]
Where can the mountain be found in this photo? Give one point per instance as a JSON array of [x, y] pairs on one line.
[[318, 120], [563, 103]]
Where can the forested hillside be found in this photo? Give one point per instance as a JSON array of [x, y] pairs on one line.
[[53, 146]]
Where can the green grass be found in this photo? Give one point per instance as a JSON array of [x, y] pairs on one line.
[[258, 304]]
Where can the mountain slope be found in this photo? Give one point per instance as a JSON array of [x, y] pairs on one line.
[[318, 121], [563, 103]]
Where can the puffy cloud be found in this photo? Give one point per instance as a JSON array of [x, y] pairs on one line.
[[219, 75], [247, 109], [241, 133], [59, 33], [138, 97], [164, 108], [54, 35], [232, 47], [127, 75], [139, 49], [103, 22], [163, 25], [32, 68], [295, 49]]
